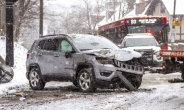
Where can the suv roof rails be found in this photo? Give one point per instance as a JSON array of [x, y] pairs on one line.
[[53, 35]]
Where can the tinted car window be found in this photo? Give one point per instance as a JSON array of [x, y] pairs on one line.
[[50, 44], [41, 44]]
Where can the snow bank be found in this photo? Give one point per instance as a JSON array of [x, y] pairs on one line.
[[19, 67]]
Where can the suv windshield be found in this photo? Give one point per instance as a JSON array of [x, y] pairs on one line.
[[131, 42], [90, 42]]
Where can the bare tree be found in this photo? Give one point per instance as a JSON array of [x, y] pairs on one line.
[[28, 12], [83, 17], [131, 4]]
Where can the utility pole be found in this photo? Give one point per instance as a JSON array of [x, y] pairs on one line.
[[174, 16], [173, 31], [41, 19], [9, 33]]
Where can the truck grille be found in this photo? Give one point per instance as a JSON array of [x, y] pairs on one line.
[[147, 56]]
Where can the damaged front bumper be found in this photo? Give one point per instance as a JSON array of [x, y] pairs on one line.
[[109, 72]]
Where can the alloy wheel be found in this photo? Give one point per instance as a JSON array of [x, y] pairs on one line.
[[84, 81], [34, 78]]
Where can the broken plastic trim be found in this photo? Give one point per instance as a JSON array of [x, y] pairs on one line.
[[129, 68]]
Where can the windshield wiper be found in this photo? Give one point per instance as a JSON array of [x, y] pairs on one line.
[[105, 48], [84, 49]]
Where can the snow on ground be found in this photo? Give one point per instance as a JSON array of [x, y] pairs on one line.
[[155, 93], [19, 66]]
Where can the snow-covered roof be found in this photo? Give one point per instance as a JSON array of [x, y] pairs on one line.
[[133, 12], [169, 4], [111, 19]]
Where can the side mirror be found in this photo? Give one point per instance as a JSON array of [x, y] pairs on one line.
[[68, 54], [160, 44]]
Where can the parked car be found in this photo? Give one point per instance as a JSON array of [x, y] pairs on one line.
[[89, 61], [148, 46]]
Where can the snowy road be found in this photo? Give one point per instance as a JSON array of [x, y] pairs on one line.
[[155, 93]]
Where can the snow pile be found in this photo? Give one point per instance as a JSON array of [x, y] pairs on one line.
[[19, 67]]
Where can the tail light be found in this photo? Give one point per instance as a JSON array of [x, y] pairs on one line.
[[27, 55], [164, 20], [164, 47]]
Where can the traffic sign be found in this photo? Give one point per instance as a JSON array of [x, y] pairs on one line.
[[176, 22]]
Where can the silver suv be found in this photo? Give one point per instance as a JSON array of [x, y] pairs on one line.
[[88, 61]]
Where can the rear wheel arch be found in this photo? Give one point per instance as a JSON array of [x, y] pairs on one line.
[[81, 66], [35, 65]]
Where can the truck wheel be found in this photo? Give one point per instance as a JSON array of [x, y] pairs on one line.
[[35, 80], [86, 80], [135, 80]]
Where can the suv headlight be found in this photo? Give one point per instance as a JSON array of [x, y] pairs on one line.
[[104, 60]]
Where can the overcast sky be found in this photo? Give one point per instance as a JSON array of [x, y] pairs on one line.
[[63, 2], [67, 3]]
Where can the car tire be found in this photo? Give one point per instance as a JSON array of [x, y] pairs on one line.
[[135, 80], [86, 80], [35, 80]]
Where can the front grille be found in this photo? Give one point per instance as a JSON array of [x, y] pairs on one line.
[[129, 68]]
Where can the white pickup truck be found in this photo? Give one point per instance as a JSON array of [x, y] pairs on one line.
[[147, 45]]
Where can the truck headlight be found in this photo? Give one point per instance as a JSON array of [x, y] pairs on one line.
[[158, 57], [157, 54]]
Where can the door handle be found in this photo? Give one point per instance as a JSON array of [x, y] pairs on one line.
[[56, 55], [39, 54]]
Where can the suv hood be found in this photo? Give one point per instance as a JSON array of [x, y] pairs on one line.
[[155, 48], [120, 54]]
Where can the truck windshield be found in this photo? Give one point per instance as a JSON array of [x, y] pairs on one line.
[[131, 42]]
